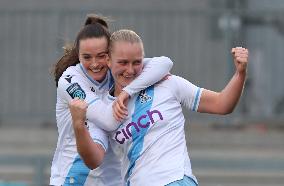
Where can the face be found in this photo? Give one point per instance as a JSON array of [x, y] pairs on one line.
[[125, 63], [94, 56]]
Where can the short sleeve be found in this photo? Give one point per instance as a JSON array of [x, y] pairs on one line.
[[187, 93], [98, 135], [73, 85]]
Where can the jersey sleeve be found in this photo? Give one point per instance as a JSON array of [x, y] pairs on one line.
[[187, 93], [153, 71], [71, 86], [98, 135], [102, 115]]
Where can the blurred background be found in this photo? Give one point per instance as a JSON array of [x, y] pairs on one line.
[[245, 148]]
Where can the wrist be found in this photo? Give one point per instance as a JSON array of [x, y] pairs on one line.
[[128, 91], [126, 94], [78, 122], [241, 73]]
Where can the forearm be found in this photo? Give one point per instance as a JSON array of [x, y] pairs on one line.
[[91, 152], [102, 115], [231, 94]]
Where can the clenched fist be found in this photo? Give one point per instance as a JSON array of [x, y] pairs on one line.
[[240, 56], [78, 109]]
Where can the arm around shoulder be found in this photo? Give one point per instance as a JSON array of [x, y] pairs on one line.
[[154, 70]]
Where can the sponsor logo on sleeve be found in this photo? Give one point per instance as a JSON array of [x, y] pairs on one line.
[[75, 91]]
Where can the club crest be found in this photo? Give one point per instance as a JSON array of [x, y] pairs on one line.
[[144, 97]]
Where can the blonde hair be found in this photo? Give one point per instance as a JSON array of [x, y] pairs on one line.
[[124, 35]]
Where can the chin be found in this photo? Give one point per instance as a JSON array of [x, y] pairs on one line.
[[124, 84], [99, 77], [128, 82]]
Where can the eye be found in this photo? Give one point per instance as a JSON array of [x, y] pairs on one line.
[[87, 57], [137, 62], [123, 62], [101, 56]]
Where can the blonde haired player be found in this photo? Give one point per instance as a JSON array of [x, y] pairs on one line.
[[151, 140]]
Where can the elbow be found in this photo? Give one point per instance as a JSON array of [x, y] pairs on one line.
[[229, 111], [109, 127], [226, 111], [91, 160], [92, 164], [168, 61]]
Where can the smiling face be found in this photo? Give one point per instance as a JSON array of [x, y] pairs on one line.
[[125, 63], [93, 55]]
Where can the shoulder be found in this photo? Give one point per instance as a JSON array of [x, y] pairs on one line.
[[170, 80], [177, 85], [70, 75], [72, 70]]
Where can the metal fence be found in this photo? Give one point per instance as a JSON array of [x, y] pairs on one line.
[[198, 41]]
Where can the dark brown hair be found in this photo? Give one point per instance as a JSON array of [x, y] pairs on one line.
[[95, 27]]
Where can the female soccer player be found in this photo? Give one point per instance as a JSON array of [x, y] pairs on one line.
[[151, 140], [83, 73]]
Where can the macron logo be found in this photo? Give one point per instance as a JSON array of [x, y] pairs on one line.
[[144, 121]]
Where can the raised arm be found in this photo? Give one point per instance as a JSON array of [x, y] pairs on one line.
[[225, 101], [91, 152]]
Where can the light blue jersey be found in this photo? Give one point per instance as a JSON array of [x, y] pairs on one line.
[[151, 141], [67, 166]]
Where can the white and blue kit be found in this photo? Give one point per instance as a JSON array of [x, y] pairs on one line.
[[151, 141], [67, 166]]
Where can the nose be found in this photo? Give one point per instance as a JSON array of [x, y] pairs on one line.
[[94, 61], [130, 69]]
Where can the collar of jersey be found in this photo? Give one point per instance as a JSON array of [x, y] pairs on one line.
[[98, 84], [109, 96]]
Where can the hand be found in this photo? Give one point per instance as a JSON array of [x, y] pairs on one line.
[[78, 109], [240, 56], [119, 106]]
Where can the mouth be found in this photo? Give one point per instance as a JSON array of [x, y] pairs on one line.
[[129, 77], [97, 69]]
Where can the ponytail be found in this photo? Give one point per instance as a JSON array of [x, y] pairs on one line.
[[70, 58], [93, 19]]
